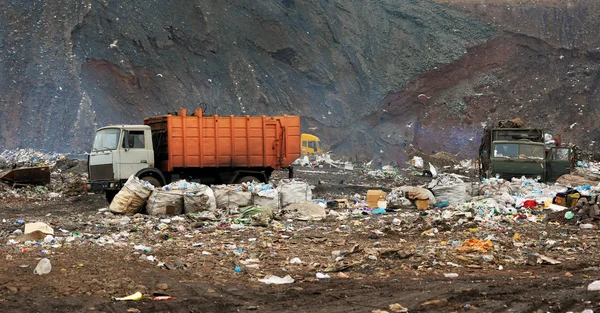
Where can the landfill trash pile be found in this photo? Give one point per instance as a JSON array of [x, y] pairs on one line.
[[588, 168], [27, 158], [253, 200], [386, 171], [67, 179], [308, 240], [322, 160]]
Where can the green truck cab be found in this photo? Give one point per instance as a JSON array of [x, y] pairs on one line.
[[517, 152]]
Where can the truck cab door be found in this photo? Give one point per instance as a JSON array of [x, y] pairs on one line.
[[135, 152], [559, 163]]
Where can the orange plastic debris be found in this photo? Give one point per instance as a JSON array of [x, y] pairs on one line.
[[476, 246]]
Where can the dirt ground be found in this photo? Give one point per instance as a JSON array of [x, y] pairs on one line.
[[373, 261]]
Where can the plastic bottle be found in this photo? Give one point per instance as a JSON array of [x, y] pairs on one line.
[[143, 248], [43, 267]]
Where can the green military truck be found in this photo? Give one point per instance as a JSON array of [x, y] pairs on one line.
[[514, 151]]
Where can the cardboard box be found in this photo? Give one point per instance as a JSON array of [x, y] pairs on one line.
[[375, 195]]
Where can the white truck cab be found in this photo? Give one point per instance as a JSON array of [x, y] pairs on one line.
[[119, 151]]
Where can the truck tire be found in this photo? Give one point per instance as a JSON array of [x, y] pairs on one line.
[[247, 179], [110, 195], [152, 180]]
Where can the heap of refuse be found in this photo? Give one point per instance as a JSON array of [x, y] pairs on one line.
[[27, 158], [323, 160], [446, 196], [386, 171], [68, 178], [256, 201]]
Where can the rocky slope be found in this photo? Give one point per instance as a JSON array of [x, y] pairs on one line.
[[542, 66], [378, 79], [75, 65]]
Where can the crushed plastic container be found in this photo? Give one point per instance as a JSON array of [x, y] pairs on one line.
[[43, 267]]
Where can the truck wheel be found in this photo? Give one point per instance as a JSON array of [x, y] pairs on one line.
[[152, 180], [110, 195], [247, 179]]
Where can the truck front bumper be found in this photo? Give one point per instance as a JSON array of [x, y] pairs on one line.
[[95, 186]]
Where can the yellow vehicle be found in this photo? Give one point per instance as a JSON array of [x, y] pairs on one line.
[[311, 144]]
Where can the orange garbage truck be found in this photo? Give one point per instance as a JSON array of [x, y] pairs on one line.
[[208, 149]]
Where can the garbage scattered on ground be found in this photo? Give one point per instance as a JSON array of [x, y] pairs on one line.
[[323, 235], [67, 176], [162, 298], [323, 276], [134, 297], [594, 286], [473, 245], [397, 308], [43, 267], [27, 158], [272, 279], [38, 227]]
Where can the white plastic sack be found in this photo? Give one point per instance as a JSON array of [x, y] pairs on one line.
[[163, 202], [455, 194], [449, 187], [232, 198], [267, 198], [291, 191], [200, 199], [432, 170], [417, 162], [132, 197]]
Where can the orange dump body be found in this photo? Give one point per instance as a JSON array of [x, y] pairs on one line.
[[182, 141]]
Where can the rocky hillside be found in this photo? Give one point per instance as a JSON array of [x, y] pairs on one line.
[[380, 79]]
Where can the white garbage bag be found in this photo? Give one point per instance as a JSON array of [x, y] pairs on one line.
[[292, 191], [165, 202], [451, 188], [200, 199], [267, 198], [417, 162], [231, 198]]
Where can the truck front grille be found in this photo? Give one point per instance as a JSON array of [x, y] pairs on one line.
[[101, 172]]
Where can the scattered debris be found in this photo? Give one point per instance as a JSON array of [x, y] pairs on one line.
[[272, 279]]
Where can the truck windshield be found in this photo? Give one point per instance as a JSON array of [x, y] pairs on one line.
[[520, 151], [107, 139], [531, 152], [506, 150]]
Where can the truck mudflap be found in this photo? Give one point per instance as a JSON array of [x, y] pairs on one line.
[[95, 186]]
